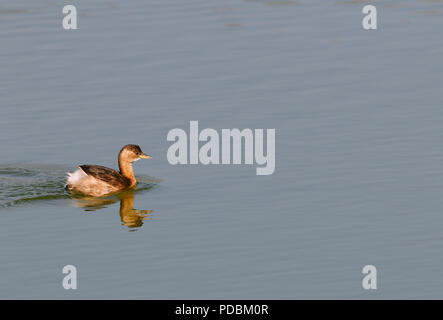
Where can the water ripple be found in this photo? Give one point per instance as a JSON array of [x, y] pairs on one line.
[[21, 184]]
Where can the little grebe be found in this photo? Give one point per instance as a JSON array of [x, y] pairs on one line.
[[98, 181]]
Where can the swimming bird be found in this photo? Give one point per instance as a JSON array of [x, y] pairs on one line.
[[99, 181]]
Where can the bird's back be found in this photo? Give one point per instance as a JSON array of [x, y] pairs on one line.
[[97, 180]]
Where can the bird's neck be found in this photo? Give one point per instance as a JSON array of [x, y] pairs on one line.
[[127, 171]]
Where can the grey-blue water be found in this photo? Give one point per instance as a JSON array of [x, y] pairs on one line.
[[359, 154]]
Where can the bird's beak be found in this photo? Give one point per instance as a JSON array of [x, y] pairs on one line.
[[145, 156]]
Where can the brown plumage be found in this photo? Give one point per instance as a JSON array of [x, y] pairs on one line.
[[108, 175], [99, 181]]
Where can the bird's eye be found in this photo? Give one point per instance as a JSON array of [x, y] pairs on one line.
[[137, 153]]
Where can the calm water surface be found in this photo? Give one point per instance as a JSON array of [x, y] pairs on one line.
[[359, 154]]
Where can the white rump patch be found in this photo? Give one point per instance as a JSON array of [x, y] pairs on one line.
[[76, 177]]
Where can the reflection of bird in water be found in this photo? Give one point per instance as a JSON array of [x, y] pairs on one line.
[[130, 217]]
